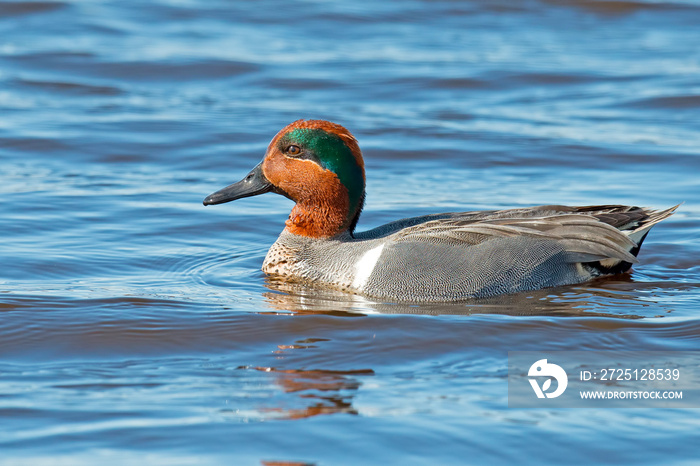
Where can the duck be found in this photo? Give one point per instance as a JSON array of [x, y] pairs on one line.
[[440, 257]]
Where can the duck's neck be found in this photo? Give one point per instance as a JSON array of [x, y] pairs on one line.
[[326, 209], [319, 219], [326, 213]]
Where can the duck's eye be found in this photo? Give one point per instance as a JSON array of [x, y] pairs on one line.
[[294, 151]]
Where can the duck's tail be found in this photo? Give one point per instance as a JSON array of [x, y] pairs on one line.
[[636, 228]]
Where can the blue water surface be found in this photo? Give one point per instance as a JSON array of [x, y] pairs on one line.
[[135, 324]]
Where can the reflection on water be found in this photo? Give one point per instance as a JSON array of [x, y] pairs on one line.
[[587, 300], [326, 391]]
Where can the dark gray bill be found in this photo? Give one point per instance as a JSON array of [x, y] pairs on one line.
[[253, 184]]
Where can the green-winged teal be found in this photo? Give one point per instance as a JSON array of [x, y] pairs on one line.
[[440, 257]]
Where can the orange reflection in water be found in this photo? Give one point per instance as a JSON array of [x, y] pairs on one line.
[[327, 389]]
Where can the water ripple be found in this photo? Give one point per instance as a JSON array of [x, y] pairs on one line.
[[8, 9], [136, 325]]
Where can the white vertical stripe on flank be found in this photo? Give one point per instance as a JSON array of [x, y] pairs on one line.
[[365, 266]]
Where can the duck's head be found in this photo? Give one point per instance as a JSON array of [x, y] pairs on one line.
[[318, 165]]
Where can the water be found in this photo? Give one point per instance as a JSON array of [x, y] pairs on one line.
[[135, 324]]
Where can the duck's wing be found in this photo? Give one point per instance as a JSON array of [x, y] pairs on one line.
[[589, 233]]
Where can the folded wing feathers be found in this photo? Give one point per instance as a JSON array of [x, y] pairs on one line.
[[585, 236]]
